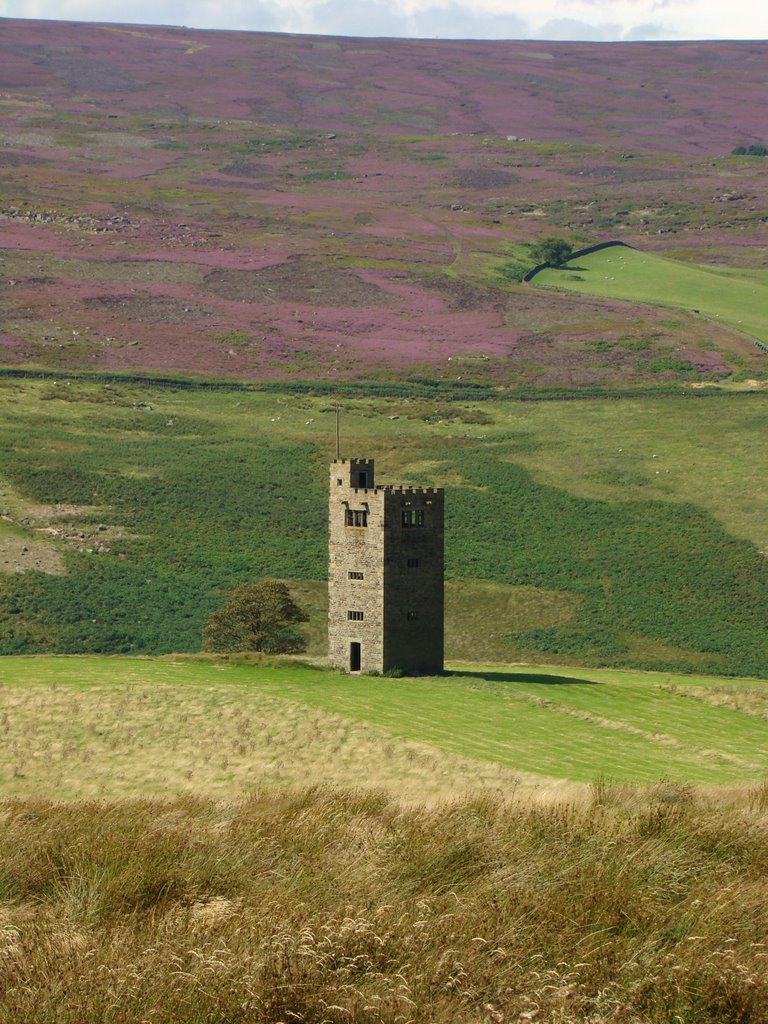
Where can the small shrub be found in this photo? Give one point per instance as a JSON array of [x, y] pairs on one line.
[[511, 270], [235, 338], [551, 250], [668, 364]]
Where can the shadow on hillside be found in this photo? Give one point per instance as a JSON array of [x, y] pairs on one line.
[[523, 677]]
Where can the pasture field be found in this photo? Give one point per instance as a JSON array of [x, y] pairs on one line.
[[623, 532], [736, 297], [108, 727]]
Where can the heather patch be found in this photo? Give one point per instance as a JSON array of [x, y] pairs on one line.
[[244, 151], [460, 295]]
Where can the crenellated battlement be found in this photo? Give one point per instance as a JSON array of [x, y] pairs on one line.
[[404, 489], [358, 476], [407, 490], [353, 473]]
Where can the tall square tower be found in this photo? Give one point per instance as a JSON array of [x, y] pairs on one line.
[[385, 573]]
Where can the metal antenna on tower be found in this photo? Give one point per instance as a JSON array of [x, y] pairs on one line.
[[338, 448]]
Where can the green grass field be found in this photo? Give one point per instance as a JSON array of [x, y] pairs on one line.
[[738, 298], [97, 726], [623, 532]]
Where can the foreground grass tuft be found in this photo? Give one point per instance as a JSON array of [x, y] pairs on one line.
[[337, 905]]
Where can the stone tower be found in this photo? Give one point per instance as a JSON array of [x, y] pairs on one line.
[[385, 573]]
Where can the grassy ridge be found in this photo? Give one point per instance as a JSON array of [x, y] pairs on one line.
[[166, 498], [733, 297], [117, 725], [335, 906]]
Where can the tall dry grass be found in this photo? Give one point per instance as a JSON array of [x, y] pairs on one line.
[[336, 905], [145, 739]]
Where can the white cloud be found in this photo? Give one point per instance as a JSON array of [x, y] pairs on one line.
[[553, 19], [580, 31], [234, 14], [648, 32], [342, 17], [459, 21]]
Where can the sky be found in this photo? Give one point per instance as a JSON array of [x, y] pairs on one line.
[[608, 20]]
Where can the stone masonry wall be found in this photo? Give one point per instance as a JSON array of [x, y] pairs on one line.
[[355, 549], [413, 582]]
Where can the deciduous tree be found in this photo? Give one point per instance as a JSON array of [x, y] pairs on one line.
[[552, 250], [256, 617]]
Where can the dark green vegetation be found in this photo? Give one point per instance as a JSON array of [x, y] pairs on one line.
[[159, 500], [552, 250], [336, 906], [647, 569], [256, 617]]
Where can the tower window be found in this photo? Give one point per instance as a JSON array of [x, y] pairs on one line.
[[339, 481], [362, 479], [412, 616], [413, 563], [355, 575], [356, 517], [413, 517], [355, 616]]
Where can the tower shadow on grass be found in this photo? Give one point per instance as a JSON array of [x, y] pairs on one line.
[[523, 677]]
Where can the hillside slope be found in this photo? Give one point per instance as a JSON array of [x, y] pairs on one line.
[[259, 205], [618, 533], [738, 299]]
